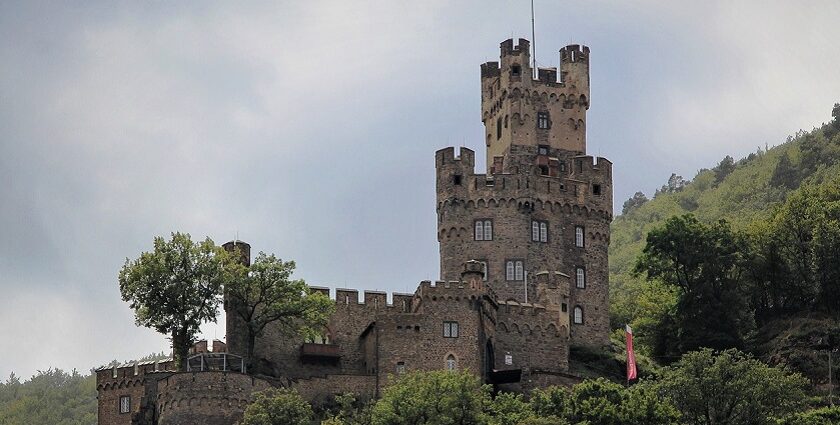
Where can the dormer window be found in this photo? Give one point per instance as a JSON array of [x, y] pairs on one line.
[[515, 70]]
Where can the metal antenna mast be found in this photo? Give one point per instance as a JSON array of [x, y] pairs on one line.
[[533, 43]]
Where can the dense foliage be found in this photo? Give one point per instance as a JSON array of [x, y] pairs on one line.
[[50, 397], [740, 256], [704, 388], [176, 288], [278, 407], [264, 293]]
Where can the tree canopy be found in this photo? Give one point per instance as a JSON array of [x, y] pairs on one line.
[[176, 287], [264, 293]]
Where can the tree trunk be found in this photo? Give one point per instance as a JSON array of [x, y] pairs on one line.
[[249, 359], [180, 349]]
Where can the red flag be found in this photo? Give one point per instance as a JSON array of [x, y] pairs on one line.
[[631, 356]]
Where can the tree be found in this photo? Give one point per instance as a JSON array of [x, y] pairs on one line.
[[433, 398], [510, 409], [637, 200], [264, 293], [705, 264], [724, 168], [278, 407], [176, 288], [823, 416], [600, 401], [729, 388], [785, 174]]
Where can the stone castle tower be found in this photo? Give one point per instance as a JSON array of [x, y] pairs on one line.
[[523, 276], [543, 205]]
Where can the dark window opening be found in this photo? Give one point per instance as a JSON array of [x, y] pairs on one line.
[[542, 120], [515, 70], [456, 179], [596, 189], [499, 128], [564, 308], [544, 170]]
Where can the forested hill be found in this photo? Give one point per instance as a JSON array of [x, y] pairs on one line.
[[759, 197]]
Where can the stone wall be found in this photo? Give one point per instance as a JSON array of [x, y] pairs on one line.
[[207, 398]]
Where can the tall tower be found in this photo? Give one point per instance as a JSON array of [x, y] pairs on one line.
[[543, 205]]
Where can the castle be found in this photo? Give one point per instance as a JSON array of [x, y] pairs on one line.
[[523, 274]]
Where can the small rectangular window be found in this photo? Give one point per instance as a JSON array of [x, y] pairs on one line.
[[450, 329], [596, 189], [125, 404], [483, 230], [579, 242], [400, 368], [580, 278], [542, 120], [542, 150], [499, 128], [456, 179]]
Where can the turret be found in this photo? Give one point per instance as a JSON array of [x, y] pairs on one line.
[[574, 70], [243, 248]]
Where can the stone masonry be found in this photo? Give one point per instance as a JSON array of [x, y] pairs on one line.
[[523, 274]]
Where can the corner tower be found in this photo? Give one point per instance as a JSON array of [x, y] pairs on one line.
[[543, 205]]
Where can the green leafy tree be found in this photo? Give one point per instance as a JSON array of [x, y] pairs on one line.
[[644, 405], [49, 397], [509, 409], [176, 288], [603, 402], [551, 402], [350, 411], [729, 388], [823, 416], [264, 293], [278, 407], [433, 398], [724, 168], [635, 202], [705, 264], [538, 420], [785, 174]]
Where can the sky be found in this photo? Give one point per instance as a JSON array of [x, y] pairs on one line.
[[309, 129]]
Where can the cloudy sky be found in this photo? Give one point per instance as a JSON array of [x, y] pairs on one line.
[[309, 129]]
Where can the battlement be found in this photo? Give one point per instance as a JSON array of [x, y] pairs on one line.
[[547, 75], [574, 53], [508, 49], [490, 69], [464, 159]]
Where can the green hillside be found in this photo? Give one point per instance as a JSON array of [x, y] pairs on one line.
[[752, 195]]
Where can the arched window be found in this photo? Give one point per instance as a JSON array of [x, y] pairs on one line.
[[580, 275], [451, 363], [577, 315]]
